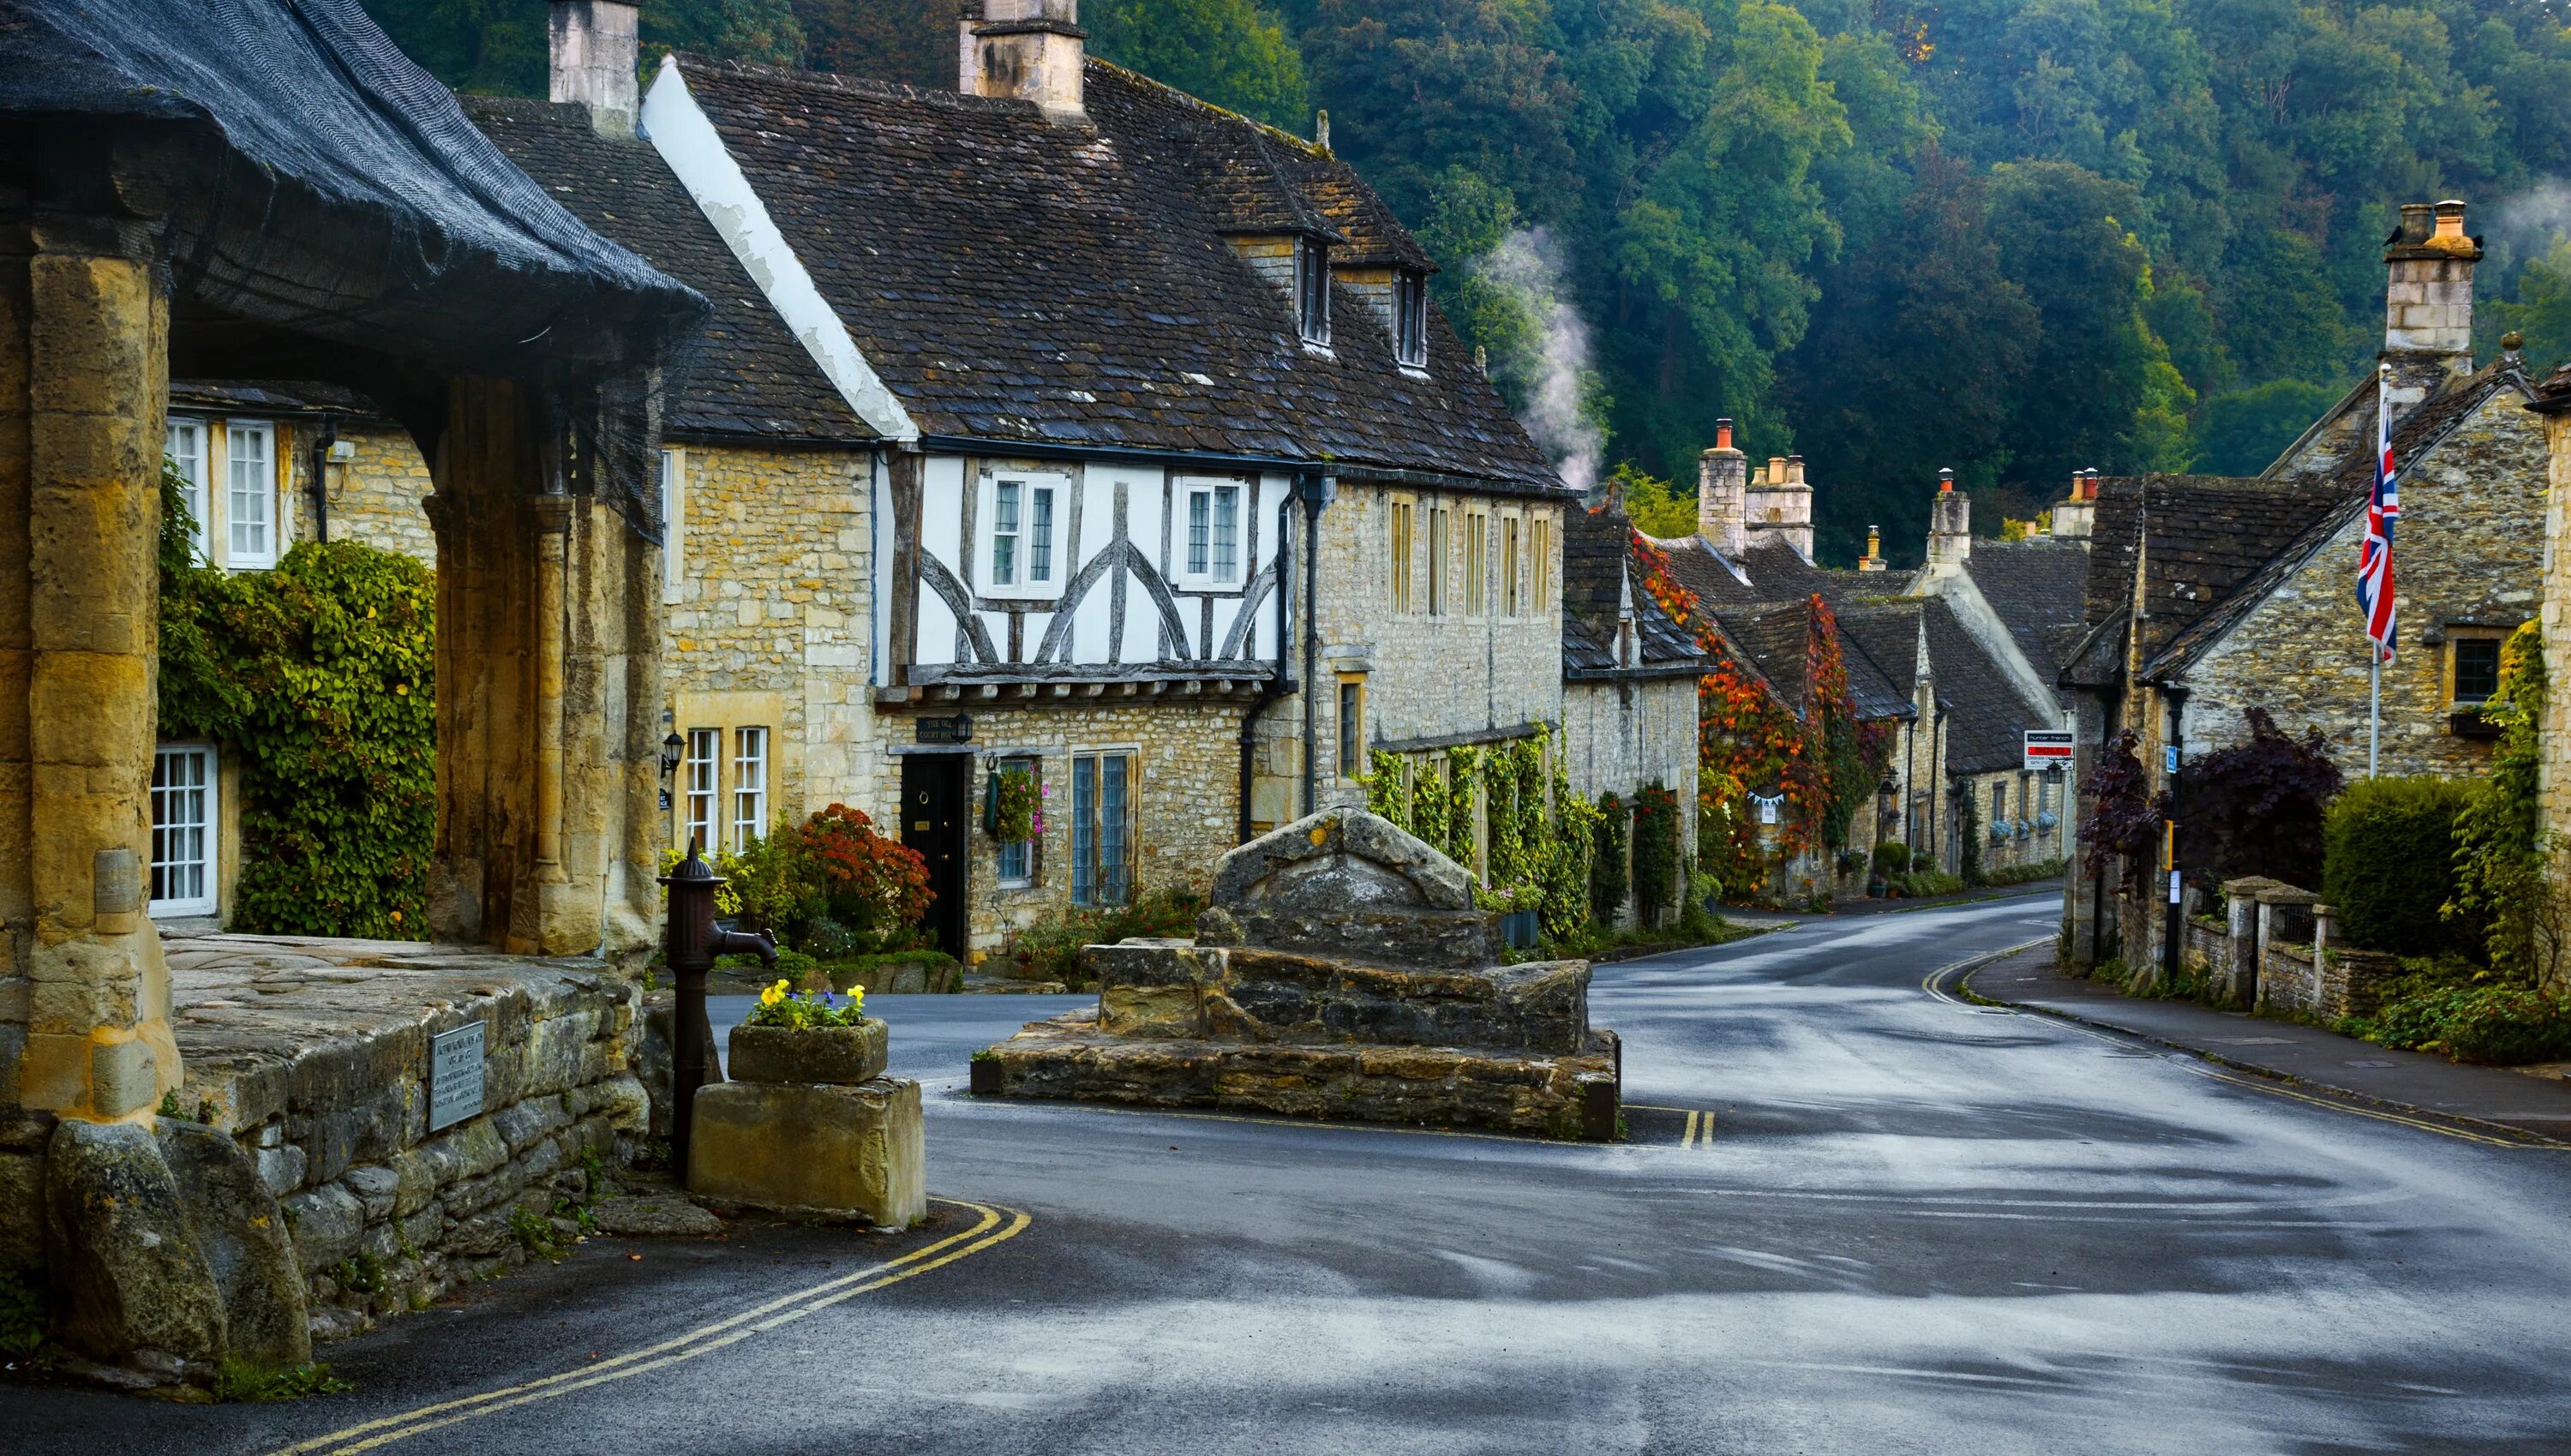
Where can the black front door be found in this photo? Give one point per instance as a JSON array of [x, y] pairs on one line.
[[936, 815]]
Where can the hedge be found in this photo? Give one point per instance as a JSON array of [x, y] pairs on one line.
[[2388, 867]]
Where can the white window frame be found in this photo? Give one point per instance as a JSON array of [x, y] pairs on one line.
[[249, 539], [1410, 319], [1312, 291], [206, 868], [194, 462], [1042, 521], [750, 748], [674, 518], [701, 802], [1210, 491]]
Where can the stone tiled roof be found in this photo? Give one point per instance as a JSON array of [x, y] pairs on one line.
[[1985, 716], [1596, 547], [2208, 535], [1014, 280], [1768, 571], [2037, 588], [1886, 631], [2414, 438], [750, 375], [1771, 636]]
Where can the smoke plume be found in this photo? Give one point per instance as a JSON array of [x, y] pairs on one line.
[[1547, 361]]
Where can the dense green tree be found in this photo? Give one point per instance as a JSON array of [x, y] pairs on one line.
[[2062, 239], [2243, 433], [2542, 309], [1228, 52]]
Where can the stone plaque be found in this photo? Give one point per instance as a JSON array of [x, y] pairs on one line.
[[455, 1062]]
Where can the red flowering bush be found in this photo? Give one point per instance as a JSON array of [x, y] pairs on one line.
[[876, 887]]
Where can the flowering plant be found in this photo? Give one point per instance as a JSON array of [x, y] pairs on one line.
[[1017, 806], [781, 1007]]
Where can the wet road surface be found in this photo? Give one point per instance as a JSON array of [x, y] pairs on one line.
[[1854, 1216]]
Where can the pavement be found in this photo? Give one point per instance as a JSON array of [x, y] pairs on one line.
[[1858, 1214], [2494, 1099]]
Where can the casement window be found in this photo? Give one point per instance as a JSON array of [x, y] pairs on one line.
[[748, 786], [1312, 290], [705, 750], [1212, 512], [1438, 527], [2044, 796], [1398, 577], [1020, 548], [1102, 828], [186, 449], [674, 515], [1540, 560], [2473, 670], [1999, 803], [1512, 594], [250, 492], [1410, 320], [1018, 856], [1351, 727], [183, 830], [1477, 562]]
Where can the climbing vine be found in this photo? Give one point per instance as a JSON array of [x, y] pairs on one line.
[[316, 678], [2500, 852], [1656, 852], [1538, 831], [1606, 878]]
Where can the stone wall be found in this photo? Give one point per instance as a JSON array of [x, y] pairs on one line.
[[319, 1069], [768, 587], [375, 495], [1185, 790], [2470, 554], [1451, 678], [2553, 779], [1620, 737], [2027, 839]]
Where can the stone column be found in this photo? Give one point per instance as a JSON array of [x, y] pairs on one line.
[[84, 376], [548, 691]]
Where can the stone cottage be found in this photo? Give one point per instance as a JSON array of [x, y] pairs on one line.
[[1629, 675], [2207, 597]]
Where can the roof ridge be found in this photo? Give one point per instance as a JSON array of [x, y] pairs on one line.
[[1170, 93], [872, 86]]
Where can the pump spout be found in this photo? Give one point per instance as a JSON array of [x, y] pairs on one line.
[[737, 942]]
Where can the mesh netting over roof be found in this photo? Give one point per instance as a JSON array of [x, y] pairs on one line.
[[313, 182]]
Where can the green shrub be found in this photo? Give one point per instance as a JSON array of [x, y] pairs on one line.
[[316, 678], [1922, 882], [2019, 875], [1891, 857], [2388, 857], [22, 1317], [1968, 838], [1656, 853], [1049, 949], [1607, 874], [2501, 876], [242, 1381], [2449, 1006]]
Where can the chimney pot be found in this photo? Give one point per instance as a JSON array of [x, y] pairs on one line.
[[592, 54], [1945, 481], [1723, 434]]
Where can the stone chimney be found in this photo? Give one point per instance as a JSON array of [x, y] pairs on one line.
[[1874, 558], [2428, 300], [1950, 524], [2076, 515], [1024, 50], [1722, 479], [1779, 505], [593, 61]]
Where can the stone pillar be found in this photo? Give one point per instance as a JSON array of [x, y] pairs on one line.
[[548, 686], [84, 375], [1722, 486]]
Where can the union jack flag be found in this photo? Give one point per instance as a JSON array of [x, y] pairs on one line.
[[2374, 553]]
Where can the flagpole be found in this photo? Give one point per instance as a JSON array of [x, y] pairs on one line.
[[2374, 703]]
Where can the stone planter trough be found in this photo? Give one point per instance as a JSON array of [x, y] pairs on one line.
[[838, 1055], [810, 1125]]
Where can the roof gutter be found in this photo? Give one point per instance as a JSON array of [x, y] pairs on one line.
[[1216, 460]]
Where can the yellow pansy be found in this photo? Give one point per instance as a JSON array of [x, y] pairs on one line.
[[857, 999], [772, 994]]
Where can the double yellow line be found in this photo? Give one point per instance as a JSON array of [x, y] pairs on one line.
[[994, 1227]]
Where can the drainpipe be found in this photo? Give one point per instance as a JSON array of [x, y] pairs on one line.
[[1274, 687], [328, 437], [2171, 916], [2108, 705], [1316, 496]]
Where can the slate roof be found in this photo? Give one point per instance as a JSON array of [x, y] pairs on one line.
[[2037, 586], [1771, 636], [2344, 497], [1014, 280], [268, 396], [747, 375], [1886, 631], [2209, 533], [1596, 547], [1768, 571], [1985, 716]]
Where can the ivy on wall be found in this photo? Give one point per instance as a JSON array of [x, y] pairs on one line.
[[1539, 831], [1656, 852], [2502, 860], [1607, 861], [316, 681]]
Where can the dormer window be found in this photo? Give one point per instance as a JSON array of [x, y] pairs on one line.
[[1312, 290], [1410, 320]]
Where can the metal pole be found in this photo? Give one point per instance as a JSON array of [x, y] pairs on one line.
[[2374, 703]]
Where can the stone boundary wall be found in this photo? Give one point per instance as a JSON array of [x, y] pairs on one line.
[[320, 1072]]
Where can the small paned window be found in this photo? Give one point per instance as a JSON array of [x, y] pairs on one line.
[[1351, 727], [183, 830], [1438, 525], [187, 453], [1477, 562], [1214, 535], [250, 497], [1511, 597], [1398, 577], [1541, 559], [1018, 856], [1102, 836], [704, 746], [748, 787], [1022, 547], [2476, 669], [1999, 803], [1410, 320], [1004, 533], [1313, 289]]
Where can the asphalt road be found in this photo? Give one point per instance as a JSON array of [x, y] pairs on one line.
[[1902, 1225]]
